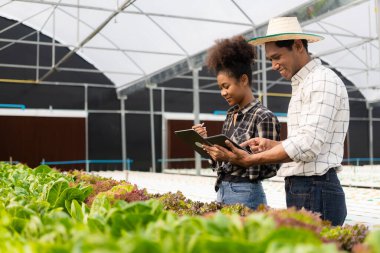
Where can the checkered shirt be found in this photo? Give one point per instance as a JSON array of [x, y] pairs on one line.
[[318, 117], [254, 120]]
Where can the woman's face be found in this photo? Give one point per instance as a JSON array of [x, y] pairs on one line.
[[231, 89]]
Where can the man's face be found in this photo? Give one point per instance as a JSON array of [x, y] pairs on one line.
[[285, 61]]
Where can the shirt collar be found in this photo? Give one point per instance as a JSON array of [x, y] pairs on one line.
[[245, 109], [304, 71]]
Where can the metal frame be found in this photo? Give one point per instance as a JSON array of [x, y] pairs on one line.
[[190, 63], [329, 7]]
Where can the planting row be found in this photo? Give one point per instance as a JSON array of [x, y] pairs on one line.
[[43, 210]]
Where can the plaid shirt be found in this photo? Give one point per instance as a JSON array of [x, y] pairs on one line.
[[254, 120]]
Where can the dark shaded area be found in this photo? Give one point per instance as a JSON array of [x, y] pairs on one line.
[[104, 140], [33, 139], [177, 148], [43, 96]]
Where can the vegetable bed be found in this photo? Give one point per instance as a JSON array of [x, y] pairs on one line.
[[43, 210]]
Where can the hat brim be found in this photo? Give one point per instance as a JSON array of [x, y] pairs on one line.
[[285, 36]]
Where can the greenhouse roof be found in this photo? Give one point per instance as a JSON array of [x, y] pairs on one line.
[[135, 43]]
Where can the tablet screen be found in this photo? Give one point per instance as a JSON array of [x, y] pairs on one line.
[[221, 141], [196, 141]]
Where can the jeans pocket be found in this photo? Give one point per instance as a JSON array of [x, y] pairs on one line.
[[334, 206], [240, 188], [250, 195], [237, 193], [298, 195]]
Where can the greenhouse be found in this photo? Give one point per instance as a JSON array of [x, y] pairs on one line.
[[92, 92]]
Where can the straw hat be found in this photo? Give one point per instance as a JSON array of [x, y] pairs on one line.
[[284, 28]]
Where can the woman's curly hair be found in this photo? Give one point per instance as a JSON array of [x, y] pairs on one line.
[[234, 56]]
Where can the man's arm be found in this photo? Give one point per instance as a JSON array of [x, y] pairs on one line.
[[240, 157], [276, 154]]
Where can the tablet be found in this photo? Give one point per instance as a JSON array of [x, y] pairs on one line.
[[221, 141], [196, 141]]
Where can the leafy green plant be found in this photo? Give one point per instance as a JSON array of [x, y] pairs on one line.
[[240, 209], [42, 210], [346, 236], [98, 184], [57, 193], [371, 243], [179, 204]]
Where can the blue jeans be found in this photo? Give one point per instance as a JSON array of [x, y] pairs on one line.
[[322, 194], [248, 194]]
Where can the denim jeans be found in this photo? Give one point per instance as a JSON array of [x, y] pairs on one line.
[[322, 194], [248, 194]]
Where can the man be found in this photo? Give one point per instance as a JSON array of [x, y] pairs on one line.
[[318, 116]]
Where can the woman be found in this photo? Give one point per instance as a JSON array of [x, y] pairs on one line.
[[232, 60]]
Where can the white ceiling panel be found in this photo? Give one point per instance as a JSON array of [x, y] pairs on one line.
[[111, 60], [140, 33], [150, 36], [223, 10], [262, 10], [197, 35]]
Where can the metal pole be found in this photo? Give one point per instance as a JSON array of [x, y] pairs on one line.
[[38, 57], [86, 126], [378, 23], [370, 122], [196, 111], [78, 21], [259, 81], [164, 153], [348, 146], [264, 76], [152, 136], [53, 41], [123, 133]]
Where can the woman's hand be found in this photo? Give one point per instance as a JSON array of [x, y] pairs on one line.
[[200, 129], [259, 144], [215, 153]]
